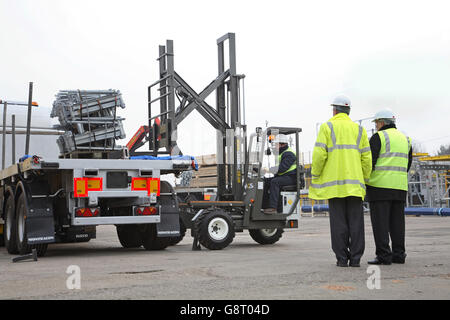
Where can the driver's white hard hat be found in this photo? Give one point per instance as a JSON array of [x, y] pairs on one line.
[[281, 138]]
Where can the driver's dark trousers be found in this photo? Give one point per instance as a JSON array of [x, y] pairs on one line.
[[273, 185]]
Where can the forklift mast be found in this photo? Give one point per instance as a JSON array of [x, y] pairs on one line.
[[226, 117]]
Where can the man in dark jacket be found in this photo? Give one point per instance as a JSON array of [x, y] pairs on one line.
[[286, 174], [387, 188]]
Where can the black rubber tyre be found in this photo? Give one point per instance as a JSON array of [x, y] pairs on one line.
[[130, 235], [9, 229], [21, 230], [151, 241], [215, 229], [175, 240], [266, 236]]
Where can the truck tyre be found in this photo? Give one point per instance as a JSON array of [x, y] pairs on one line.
[[176, 240], [9, 229], [215, 229], [22, 243], [151, 241], [266, 236], [129, 236]]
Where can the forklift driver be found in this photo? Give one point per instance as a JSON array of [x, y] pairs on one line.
[[285, 174]]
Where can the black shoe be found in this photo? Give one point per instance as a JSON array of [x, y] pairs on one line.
[[342, 263], [398, 260], [379, 261], [354, 264]]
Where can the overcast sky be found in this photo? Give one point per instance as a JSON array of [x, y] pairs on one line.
[[296, 56]]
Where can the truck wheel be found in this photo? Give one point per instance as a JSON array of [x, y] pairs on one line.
[[266, 236], [152, 241], [176, 240], [22, 243], [215, 229], [9, 229], [129, 236]]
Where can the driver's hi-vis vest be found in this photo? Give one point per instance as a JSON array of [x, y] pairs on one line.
[[292, 167], [392, 163]]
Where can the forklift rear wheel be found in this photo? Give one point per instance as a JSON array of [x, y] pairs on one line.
[[129, 236], [22, 244], [9, 229], [215, 229], [266, 236]]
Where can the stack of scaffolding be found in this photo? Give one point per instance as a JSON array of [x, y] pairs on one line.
[[90, 120]]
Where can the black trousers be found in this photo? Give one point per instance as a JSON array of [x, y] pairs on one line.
[[388, 221], [347, 228], [272, 188]]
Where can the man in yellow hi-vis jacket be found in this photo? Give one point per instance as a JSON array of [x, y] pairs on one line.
[[342, 163], [388, 187]]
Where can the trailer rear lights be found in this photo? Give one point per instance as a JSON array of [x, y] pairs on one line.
[[151, 185], [87, 212], [83, 185], [146, 211]]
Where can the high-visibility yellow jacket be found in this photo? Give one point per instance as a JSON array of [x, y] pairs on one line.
[[392, 163], [292, 167], [342, 161]]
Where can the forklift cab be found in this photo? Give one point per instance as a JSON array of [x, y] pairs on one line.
[[288, 206]]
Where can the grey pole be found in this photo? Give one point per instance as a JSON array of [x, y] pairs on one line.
[[171, 94], [5, 107], [30, 98], [221, 135], [13, 138]]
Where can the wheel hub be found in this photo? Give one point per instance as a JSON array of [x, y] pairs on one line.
[[218, 229], [268, 232]]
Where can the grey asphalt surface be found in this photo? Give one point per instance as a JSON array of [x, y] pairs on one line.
[[300, 266]]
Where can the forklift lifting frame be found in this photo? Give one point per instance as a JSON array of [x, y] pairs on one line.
[[232, 192]]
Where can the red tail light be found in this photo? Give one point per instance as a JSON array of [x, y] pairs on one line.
[[87, 212], [146, 211]]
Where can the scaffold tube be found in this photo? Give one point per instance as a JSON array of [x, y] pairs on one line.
[[445, 212], [428, 211]]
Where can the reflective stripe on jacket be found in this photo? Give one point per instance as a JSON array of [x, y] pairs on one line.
[[392, 163], [342, 161], [292, 167]]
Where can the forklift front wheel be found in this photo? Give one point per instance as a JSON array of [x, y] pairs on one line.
[[215, 230]]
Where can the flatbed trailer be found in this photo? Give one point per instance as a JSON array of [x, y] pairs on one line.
[[62, 200]]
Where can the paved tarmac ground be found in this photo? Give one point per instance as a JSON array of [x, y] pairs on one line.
[[300, 266]]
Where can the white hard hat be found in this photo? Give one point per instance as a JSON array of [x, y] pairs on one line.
[[342, 101], [280, 138], [384, 114]]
